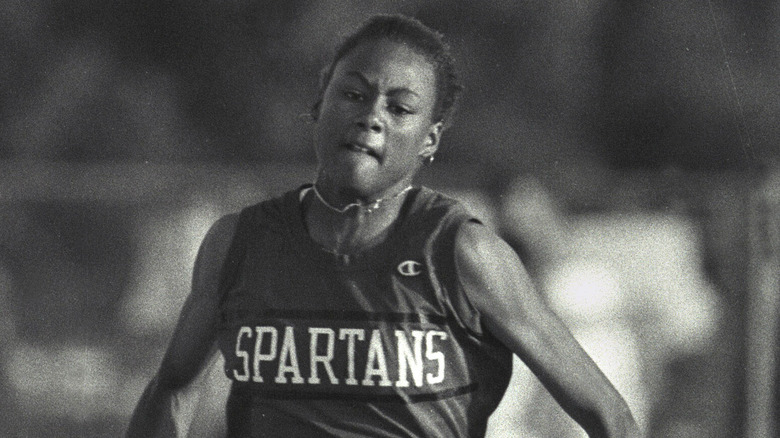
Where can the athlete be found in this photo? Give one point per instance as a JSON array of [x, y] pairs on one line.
[[361, 305]]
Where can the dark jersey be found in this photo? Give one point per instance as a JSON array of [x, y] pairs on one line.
[[383, 343]]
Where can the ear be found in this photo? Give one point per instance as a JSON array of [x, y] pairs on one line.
[[431, 144]]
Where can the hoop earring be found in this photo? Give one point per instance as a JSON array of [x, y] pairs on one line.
[[308, 117], [315, 110]]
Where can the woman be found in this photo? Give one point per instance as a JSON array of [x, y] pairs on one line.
[[361, 305]]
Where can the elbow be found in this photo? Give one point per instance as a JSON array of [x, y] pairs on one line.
[[158, 391], [630, 426], [617, 423], [625, 423], [168, 382], [151, 416]]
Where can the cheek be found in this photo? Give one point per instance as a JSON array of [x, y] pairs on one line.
[[328, 124], [327, 116], [413, 139]]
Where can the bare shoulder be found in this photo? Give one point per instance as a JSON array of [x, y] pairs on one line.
[[492, 275], [212, 253], [222, 230], [219, 237], [477, 247]]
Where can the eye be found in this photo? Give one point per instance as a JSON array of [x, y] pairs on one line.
[[353, 95], [400, 110]]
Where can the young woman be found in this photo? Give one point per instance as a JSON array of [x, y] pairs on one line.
[[361, 305]]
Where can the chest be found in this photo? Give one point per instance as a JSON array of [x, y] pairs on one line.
[[278, 275], [301, 315]]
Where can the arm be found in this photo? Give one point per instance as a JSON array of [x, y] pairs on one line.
[[193, 341], [497, 284]]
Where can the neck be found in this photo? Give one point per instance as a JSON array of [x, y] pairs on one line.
[[367, 207], [354, 227]]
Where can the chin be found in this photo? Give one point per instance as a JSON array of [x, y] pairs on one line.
[[360, 188], [349, 185], [361, 180]]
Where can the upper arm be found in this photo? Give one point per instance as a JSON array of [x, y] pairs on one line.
[[194, 338], [498, 285]]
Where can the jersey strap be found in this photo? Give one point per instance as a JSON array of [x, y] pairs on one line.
[[233, 261]]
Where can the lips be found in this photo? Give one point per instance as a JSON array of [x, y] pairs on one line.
[[359, 147]]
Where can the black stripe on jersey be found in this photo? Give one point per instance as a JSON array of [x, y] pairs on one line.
[[339, 315], [261, 394]]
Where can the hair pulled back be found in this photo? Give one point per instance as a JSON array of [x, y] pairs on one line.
[[419, 37]]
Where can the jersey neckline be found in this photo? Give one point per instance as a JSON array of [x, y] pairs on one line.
[[371, 258]]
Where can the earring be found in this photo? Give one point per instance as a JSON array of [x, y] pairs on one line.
[[428, 160], [308, 117]]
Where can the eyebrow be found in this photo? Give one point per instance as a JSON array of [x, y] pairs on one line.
[[362, 78]]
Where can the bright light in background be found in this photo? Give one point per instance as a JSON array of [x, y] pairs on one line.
[[79, 380], [630, 287], [584, 292], [167, 249], [657, 260]]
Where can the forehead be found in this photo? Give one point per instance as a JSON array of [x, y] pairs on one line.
[[389, 64]]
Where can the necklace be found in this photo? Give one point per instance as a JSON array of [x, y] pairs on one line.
[[370, 207]]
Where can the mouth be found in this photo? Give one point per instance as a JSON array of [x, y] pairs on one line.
[[361, 148]]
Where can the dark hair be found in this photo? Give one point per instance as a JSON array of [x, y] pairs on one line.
[[419, 37]]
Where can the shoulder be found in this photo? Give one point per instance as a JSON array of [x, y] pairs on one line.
[[454, 229], [489, 270], [213, 252], [276, 209], [280, 210], [435, 214], [217, 243], [428, 199], [478, 248], [221, 233]]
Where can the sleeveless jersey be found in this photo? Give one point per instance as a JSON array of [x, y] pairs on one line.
[[382, 344]]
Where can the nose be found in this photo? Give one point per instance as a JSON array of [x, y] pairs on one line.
[[370, 119]]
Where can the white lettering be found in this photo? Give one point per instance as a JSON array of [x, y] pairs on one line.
[[325, 360], [420, 355], [376, 365], [438, 356], [350, 335], [290, 354], [407, 358], [242, 354], [271, 355]]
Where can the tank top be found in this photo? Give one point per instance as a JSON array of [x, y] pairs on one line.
[[382, 344]]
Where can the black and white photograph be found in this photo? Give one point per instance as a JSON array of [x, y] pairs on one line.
[[235, 218]]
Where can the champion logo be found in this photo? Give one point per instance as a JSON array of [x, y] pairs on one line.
[[410, 268]]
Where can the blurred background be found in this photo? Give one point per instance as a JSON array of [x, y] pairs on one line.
[[628, 150]]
